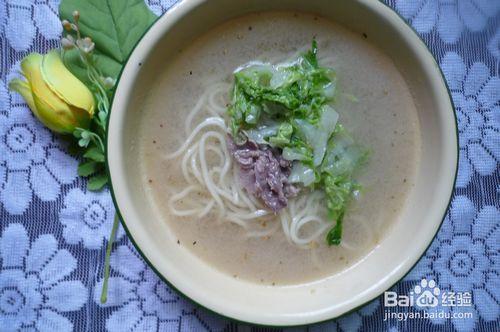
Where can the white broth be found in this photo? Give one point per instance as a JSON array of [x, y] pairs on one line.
[[375, 106]]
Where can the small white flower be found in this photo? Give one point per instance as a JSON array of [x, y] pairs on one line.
[[86, 44]]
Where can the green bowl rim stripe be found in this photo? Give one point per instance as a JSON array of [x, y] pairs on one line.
[[232, 319]]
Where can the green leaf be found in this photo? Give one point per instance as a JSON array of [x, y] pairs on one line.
[[88, 168], [334, 236], [97, 182], [283, 136], [311, 55], [115, 26], [95, 154], [84, 142], [78, 132]]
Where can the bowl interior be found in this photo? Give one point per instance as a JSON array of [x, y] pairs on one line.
[[312, 302]]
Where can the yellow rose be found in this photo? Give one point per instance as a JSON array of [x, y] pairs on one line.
[[56, 97]]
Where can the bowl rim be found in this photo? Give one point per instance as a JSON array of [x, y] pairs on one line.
[[191, 4]]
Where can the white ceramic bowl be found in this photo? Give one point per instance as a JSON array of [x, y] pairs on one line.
[[334, 296]]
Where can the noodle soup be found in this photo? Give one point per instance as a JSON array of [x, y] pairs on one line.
[[194, 182]]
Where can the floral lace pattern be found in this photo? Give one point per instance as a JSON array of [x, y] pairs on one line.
[[87, 217], [35, 290], [53, 231], [449, 18]]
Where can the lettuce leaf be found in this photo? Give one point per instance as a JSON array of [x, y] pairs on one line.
[[287, 91], [262, 132], [297, 153], [343, 158], [343, 155], [283, 136], [302, 173], [317, 136]]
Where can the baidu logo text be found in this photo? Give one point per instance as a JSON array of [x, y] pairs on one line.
[[427, 294]]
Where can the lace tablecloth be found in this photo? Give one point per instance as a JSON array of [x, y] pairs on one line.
[[53, 231]]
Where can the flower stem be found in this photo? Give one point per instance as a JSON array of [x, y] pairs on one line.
[[104, 292], [97, 139]]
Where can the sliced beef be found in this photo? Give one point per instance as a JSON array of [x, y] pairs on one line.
[[264, 173]]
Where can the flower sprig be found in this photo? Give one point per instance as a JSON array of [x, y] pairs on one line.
[[75, 103], [91, 139]]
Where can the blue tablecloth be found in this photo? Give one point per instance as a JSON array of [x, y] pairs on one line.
[[53, 231]]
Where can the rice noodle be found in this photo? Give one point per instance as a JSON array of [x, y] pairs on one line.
[[213, 187]]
